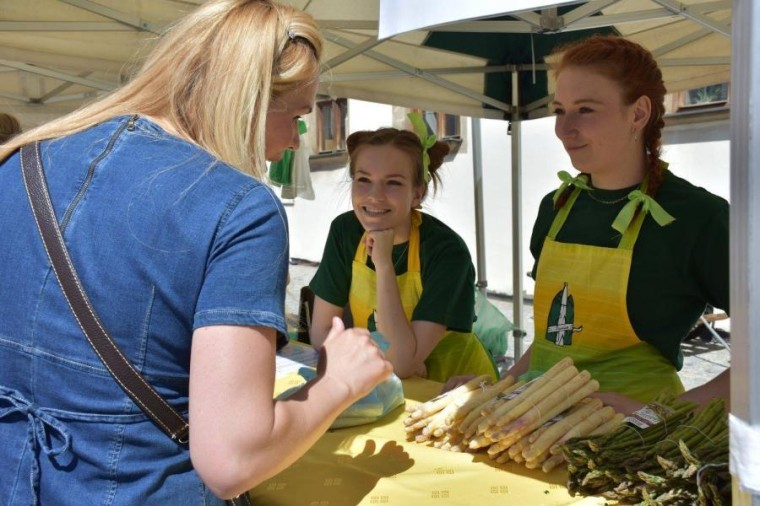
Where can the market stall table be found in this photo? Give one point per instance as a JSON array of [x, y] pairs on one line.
[[374, 464]]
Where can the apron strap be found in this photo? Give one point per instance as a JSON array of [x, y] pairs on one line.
[[413, 254], [631, 233], [413, 258], [563, 213]]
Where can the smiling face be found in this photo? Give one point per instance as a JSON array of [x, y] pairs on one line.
[[282, 119], [382, 191], [599, 132]]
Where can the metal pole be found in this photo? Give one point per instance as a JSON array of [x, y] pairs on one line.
[[517, 269], [745, 240], [477, 172]]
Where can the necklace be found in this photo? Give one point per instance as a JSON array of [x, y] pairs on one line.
[[400, 256], [608, 202]]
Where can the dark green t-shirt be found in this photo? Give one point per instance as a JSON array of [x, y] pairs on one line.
[[448, 276], [675, 270]]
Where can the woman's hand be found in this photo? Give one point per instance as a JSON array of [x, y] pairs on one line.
[[351, 358], [379, 244], [456, 381], [621, 403]]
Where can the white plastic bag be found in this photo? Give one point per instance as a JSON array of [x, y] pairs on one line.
[[300, 170]]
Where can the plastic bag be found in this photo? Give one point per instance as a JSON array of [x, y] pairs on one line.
[[491, 326], [293, 172], [301, 173], [385, 397]]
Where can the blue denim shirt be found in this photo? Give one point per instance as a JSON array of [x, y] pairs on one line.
[[166, 239]]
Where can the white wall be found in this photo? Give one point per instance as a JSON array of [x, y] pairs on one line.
[[699, 153]]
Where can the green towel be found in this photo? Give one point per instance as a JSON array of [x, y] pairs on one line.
[[281, 171]]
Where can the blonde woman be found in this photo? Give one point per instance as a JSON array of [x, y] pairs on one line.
[[183, 253]]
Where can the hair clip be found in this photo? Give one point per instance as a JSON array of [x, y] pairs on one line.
[[291, 35]]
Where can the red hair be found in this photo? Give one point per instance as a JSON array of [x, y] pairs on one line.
[[636, 72]]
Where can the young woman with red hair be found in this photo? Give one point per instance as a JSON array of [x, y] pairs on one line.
[[627, 253]]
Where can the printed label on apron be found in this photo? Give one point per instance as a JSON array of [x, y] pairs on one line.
[[560, 328]]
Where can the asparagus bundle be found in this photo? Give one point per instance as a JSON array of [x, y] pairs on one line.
[[683, 459], [434, 419], [511, 420]]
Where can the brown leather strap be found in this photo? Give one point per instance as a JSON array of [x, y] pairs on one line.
[[241, 500], [166, 417]]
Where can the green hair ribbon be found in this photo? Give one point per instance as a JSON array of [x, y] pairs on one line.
[[426, 140], [648, 205], [579, 181]]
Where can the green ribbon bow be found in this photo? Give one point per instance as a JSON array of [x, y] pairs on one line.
[[648, 205], [426, 140], [579, 181]]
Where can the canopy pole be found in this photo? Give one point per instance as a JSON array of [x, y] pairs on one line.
[[517, 274], [477, 173], [745, 240]]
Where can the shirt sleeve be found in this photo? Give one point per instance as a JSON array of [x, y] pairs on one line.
[[246, 273], [711, 260], [332, 280], [448, 285]]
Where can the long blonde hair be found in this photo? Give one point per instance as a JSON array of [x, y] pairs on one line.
[[211, 77]]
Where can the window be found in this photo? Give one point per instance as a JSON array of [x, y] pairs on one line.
[[706, 97], [331, 125], [444, 126], [716, 94]]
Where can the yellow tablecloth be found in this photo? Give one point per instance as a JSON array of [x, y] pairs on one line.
[[374, 464]]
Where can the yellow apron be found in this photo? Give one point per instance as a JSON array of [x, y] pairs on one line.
[[457, 354], [580, 311]]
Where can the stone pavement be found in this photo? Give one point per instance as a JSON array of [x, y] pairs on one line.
[[703, 360]]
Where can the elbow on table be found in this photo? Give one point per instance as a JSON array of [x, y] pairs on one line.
[[225, 485], [227, 476], [410, 370]]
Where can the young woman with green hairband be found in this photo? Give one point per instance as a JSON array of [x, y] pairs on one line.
[[380, 256]]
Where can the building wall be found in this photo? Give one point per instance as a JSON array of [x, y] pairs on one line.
[[698, 152]]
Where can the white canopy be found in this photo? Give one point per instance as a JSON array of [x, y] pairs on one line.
[[57, 54]]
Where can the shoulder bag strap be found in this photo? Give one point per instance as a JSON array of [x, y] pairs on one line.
[[117, 364]]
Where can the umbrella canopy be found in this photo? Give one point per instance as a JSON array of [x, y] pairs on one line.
[[57, 54], [467, 67]]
